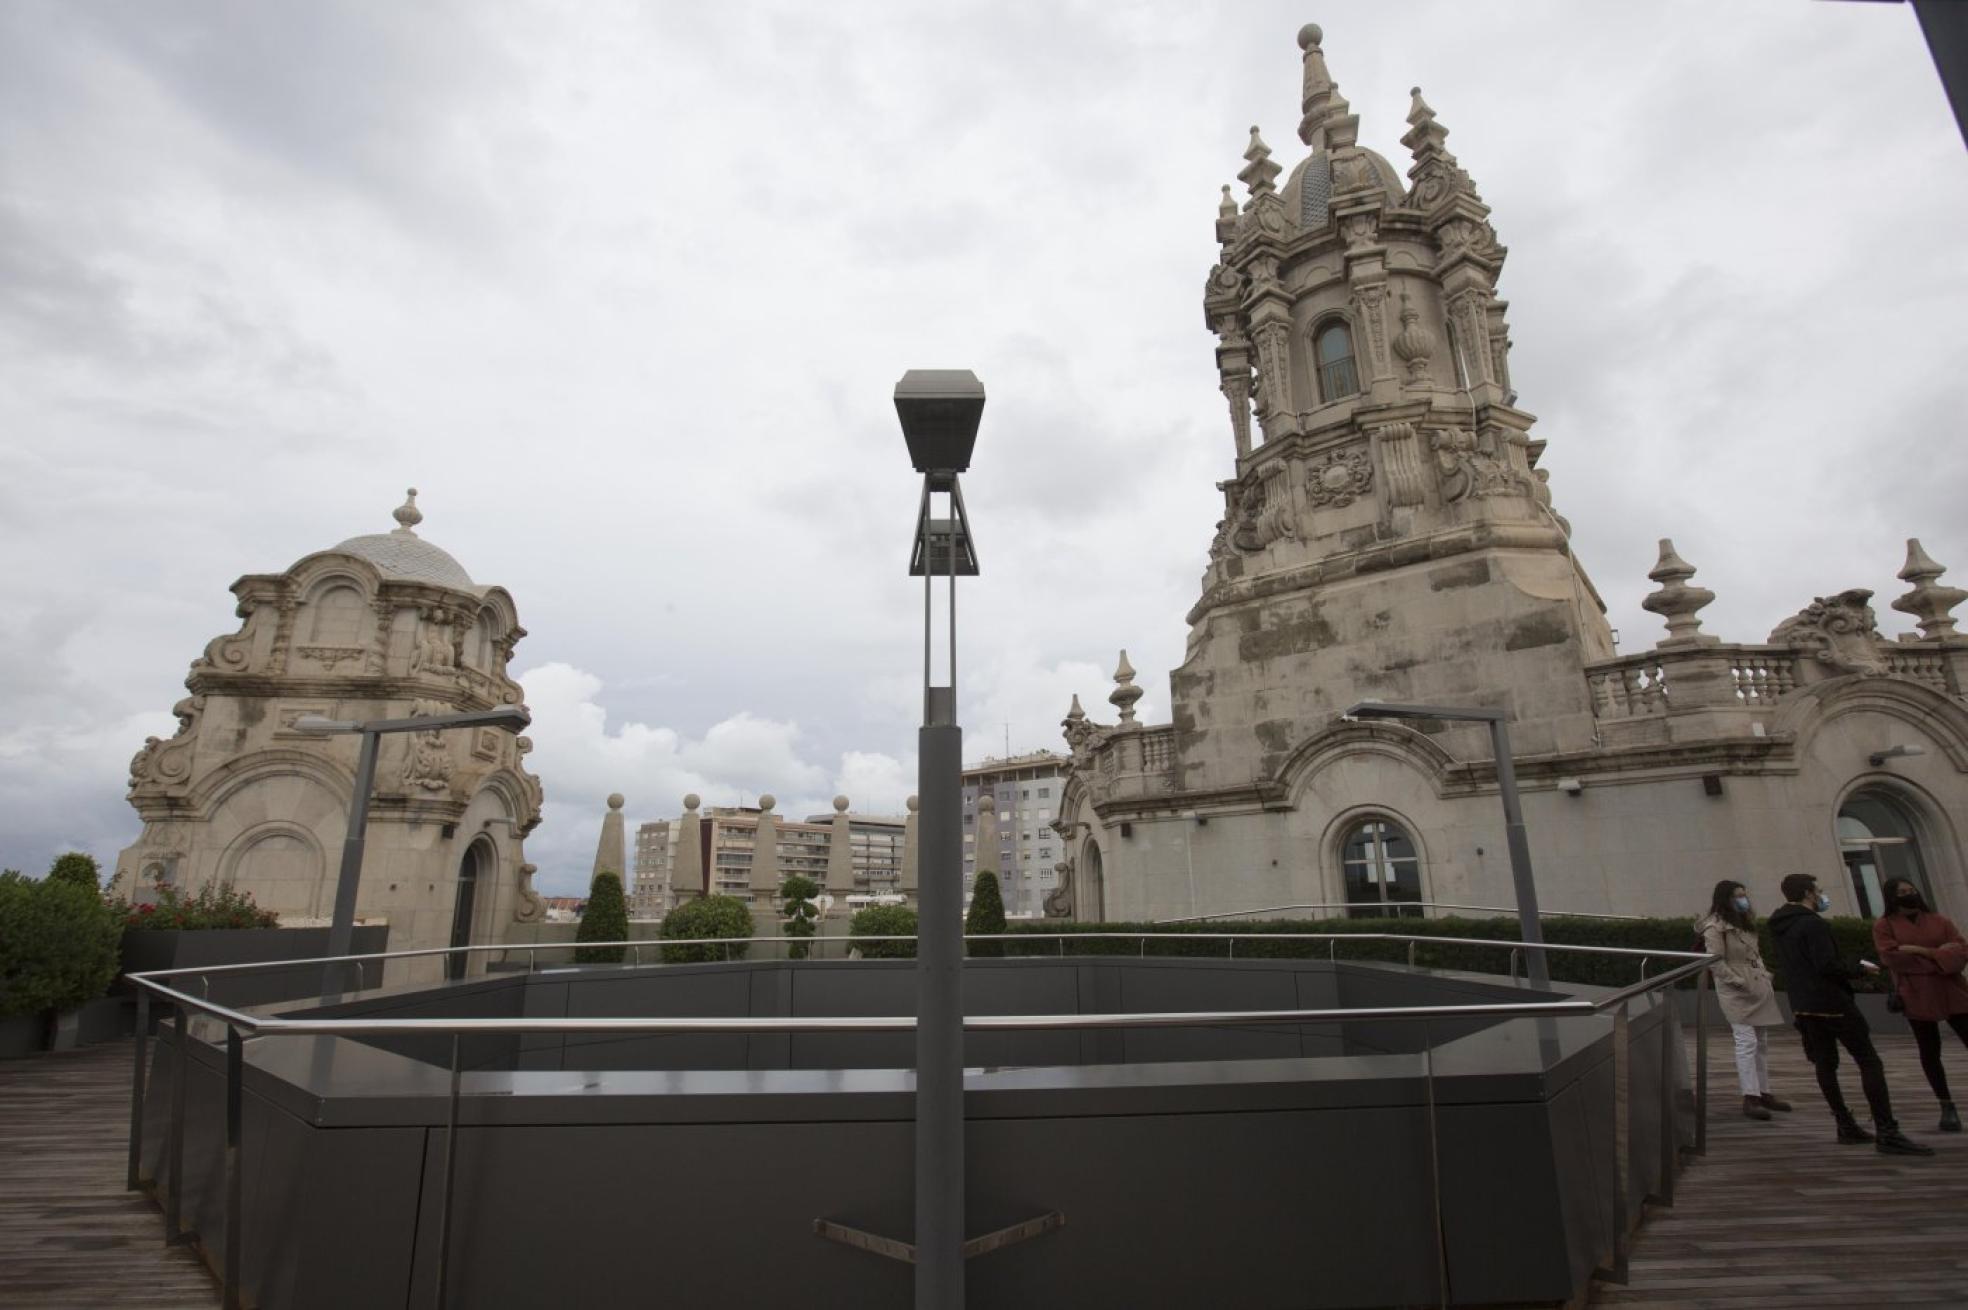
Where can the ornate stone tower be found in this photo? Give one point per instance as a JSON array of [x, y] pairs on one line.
[[1388, 532], [380, 626]]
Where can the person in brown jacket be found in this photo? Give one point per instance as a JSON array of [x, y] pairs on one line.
[[1744, 991], [1926, 953]]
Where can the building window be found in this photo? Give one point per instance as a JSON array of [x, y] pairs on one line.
[[1337, 376], [1044, 792], [1877, 838], [1381, 868]]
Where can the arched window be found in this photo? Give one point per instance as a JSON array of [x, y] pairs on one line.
[[1381, 868], [1877, 838], [337, 618], [1337, 376]]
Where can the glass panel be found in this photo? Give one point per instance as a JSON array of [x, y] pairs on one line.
[[1335, 344], [1865, 883]]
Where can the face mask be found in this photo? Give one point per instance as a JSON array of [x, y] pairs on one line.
[[1824, 902], [1742, 905], [1909, 901]]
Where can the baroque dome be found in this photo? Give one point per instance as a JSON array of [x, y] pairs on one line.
[[1308, 190], [404, 554]]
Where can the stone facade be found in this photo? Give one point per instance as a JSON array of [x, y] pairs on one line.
[[380, 626], [1388, 534]]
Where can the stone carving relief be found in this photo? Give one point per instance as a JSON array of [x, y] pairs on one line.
[[1225, 286], [1084, 738], [162, 763], [436, 648], [1468, 236], [1465, 470], [1541, 493], [328, 657], [427, 764], [1400, 462], [231, 653], [1360, 230], [1367, 301], [1840, 631], [530, 908], [1414, 345], [1338, 478], [1274, 397], [1264, 514], [1059, 901], [1436, 181], [536, 795]]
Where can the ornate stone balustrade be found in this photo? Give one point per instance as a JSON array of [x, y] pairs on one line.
[[1158, 750], [1633, 687], [1923, 664], [1642, 686], [1763, 676]]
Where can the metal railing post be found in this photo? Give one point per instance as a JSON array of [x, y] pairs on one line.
[[132, 1180], [635, 955], [1668, 1156], [1516, 958], [235, 1114], [1062, 947], [1435, 1164], [1233, 948], [174, 1197], [1616, 1272], [1411, 955], [1701, 1062], [531, 963], [450, 1178]]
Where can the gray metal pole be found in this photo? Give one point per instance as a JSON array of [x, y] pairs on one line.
[[939, 1020], [341, 931], [1529, 927]]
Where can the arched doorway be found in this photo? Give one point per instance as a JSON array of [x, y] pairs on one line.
[[471, 869], [1091, 893], [1879, 841]]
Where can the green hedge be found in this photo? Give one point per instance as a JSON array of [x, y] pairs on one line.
[[883, 921], [707, 916], [58, 944], [1258, 940], [606, 919]]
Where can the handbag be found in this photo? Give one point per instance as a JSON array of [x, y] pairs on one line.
[[1894, 1003]]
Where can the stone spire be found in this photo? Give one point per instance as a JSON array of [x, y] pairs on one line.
[[765, 853], [407, 515], [687, 870], [840, 854], [1075, 714], [612, 851], [1125, 693], [1329, 123], [1260, 174], [1928, 602], [910, 855], [1676, 601], [1227, 207], [1435, 173]]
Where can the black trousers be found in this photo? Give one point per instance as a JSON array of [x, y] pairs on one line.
[[1823, 1035], [1927, 1035]]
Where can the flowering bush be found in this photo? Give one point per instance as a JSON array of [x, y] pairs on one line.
[[213, 906]]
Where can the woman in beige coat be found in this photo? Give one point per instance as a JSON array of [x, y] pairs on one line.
[[1743, 989]]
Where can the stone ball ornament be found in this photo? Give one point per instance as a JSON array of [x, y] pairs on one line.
[[616, 800], [767, 801], [840, 805], [914, 803], [692, 801], [1310, 35]]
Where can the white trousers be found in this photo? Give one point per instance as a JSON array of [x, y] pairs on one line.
[[1752, 1059]]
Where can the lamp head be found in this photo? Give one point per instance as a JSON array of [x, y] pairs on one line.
[[940, 409]]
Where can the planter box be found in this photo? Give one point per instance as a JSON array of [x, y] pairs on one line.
[[105, 1019], [23, 1035], [149, 949]]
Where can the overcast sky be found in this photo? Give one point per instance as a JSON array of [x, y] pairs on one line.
[[624, 289]]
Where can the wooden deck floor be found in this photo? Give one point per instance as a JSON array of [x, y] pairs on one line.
[[1777, 1215], [70, 1236]]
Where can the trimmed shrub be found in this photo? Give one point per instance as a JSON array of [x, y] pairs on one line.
[[58, 944], [707, 916], [985, 916], [213, 906], [883, 921], [800, 913], [80, 869], [605, 920], [1259, 939]]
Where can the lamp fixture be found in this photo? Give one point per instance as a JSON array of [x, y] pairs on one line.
[[1900, 752]]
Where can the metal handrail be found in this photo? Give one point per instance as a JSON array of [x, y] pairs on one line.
[[1396, 906], [241, 1027]]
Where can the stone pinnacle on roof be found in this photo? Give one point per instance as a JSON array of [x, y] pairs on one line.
[[407, 515], [1929, 602], [1329, 122], [1260, 174], [1228, 206], [1125, 693], [1676, 601]]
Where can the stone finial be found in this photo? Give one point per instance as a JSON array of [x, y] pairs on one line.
[[692, 801], [1125, 693], [1328, 122], [1676, 601], [1260, 174], [1928, 602], [407, 515], [1435, 173], [1414, 344], [1075, 714], [1227, 207], [616, 800], [840, 805], [912, 804], [840, 852], [766, 802]]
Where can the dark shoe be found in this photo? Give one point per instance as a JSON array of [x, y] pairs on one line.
[[1850, 1134], [1950, 1120], [1770, 1102], [1753, 1108], [1893, 1142]]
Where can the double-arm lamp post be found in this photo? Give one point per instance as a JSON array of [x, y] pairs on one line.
[[939, 410], [341, 932], [1513, 814]]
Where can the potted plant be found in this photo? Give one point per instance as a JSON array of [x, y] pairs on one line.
[[57, 953]]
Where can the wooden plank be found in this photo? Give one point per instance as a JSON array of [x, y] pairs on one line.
[[70, 1236]]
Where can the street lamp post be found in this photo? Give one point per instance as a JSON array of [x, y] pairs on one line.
[[1515, 835], [341, 931], [939, 410]]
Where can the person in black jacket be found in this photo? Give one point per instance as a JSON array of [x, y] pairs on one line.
[[1820, 988]]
